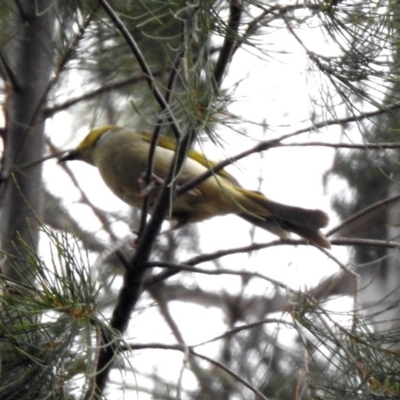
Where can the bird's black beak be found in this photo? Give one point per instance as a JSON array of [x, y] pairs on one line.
[[69, 156]]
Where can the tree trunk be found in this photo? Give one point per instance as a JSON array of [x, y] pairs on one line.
[[28, 64]]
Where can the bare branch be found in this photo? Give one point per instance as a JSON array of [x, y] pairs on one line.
[[244, 328], [50, 111], [232, 373], [145, 68], [262, 146], [156, 133], [231, 38], [355, 217], [179, 347]]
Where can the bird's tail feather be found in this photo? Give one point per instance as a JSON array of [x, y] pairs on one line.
[[280, 218]]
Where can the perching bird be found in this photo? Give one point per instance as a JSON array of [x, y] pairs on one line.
[[121, 156]]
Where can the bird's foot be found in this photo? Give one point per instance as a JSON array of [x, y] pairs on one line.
[[147, 185]]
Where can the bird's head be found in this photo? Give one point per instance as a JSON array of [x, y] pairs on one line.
[[84, 151]]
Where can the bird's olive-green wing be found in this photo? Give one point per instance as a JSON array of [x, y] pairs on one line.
[[170, 143]]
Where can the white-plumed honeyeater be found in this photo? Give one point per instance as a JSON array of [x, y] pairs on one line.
[[121, 156]]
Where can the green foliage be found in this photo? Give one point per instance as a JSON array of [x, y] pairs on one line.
[[49, 330]]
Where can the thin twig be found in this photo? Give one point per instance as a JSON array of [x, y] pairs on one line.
[[156, 133], [166, 314], [365, 211], [354, 146], [244, 327], [357, 286], [38, 111], [50, 111], [254, 25], [9, 74], [179, 347], [143, 65], [179, 267], [174, 268], [266, 145], [230, 372], [231, 38]]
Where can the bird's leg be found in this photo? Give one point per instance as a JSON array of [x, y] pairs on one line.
[[148, 185]]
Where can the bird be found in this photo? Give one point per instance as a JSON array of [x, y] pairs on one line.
[[121, 156]]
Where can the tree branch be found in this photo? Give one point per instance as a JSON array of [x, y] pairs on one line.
[[143, 65], [262, 146], [365, 211], [231, 38], [50, 111], [156, 133]]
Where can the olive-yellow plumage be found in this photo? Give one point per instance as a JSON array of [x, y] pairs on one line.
[[121, 154]]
